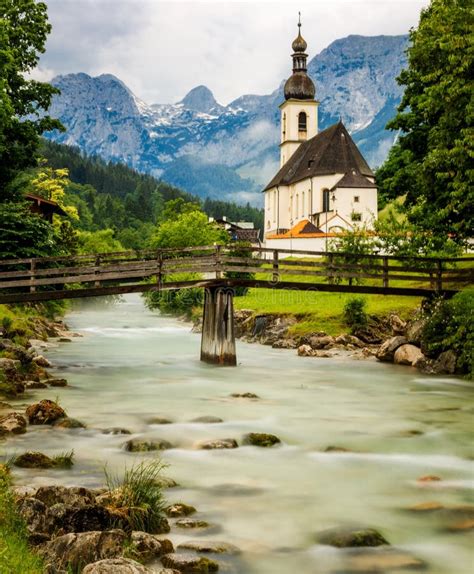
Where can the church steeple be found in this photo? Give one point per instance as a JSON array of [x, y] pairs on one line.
[[299, 111], [299, 86]]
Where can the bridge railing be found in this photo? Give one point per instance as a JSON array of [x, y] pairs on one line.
[[94, 274]]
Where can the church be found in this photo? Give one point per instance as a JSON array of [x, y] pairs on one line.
[[324, 185]]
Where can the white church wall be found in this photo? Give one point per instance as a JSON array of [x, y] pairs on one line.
[[361, 201], [300, 243]]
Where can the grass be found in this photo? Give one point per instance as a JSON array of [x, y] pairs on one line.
[[15, 555], [139, 495], [319, 311], [64, 460]]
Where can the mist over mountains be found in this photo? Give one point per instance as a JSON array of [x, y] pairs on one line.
[[230, 152]]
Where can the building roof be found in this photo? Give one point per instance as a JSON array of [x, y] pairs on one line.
[[353, 179], [331, 151], [45, 204], [303, 229]]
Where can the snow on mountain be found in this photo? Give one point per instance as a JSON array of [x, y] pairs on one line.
[[231, 151]]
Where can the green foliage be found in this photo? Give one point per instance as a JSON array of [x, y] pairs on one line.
[[15, 555], [175, 207], [450, 325], [240, 249], [23, 234], [432, 162], [116, 196], [176, 302], [140, 495], [355, 313], [98, 242], [348, 249], [399, 237], [64, 460], [187, 230], [23, 31]]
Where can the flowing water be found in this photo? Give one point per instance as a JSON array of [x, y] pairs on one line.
[[132, 365]]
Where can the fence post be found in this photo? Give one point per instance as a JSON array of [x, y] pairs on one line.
[[97, 271], [218, 262], [439, 275], [32, 274], [159, 277], [385, 272], [276, 275], [331, 269]]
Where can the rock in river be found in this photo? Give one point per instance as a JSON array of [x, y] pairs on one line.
[[179, 509], [207, 546], [218, 444], [387, 349], [34, 460], [13, 423], [45, 412], [117, 566], [187, 563], [135, 445], [351, 537], [207, 419], [68, 423], [147, 547], [261, 439]]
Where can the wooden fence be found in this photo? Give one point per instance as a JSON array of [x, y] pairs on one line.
[[137, 271]]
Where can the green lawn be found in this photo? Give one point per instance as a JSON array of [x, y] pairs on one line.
[[318, 311], [15, 556]]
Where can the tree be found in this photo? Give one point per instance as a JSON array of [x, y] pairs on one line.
[[432, 163], [24, 28], [188, 230]]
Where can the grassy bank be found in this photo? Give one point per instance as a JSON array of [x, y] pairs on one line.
[[318, 311], [15, 555]]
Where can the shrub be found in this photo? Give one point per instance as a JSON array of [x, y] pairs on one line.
[[176, 302], [139, 495], [449, 325], [355, 315]]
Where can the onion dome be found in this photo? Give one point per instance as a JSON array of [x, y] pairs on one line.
[[299, 85], [299, 43]]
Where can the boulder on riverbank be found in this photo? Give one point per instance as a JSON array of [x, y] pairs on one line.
[[117, 566], [387, 349], [45, 412], [408, 355], [75, 550], [187, 563]]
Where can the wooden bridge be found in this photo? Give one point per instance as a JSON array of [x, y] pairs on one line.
[[219, 270]]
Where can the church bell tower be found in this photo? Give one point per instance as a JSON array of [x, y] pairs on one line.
[[299, 111]]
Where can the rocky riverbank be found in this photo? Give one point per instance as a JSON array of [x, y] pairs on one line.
[[387, 339]]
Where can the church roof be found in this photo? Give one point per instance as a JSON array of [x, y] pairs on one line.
[[353, 179], [331, 151]]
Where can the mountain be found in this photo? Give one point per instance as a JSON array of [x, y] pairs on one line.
[[230, 152]]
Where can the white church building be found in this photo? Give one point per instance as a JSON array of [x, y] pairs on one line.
[[324, 185]]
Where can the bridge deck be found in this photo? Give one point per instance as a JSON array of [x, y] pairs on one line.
[[42, 279]]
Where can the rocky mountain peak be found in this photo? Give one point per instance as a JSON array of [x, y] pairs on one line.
[[201, 99]]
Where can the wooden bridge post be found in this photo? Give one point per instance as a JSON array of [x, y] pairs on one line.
[[275, 276], [218, 339], [32, 276]]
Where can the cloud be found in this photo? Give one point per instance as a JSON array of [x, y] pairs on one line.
[[161, 49]]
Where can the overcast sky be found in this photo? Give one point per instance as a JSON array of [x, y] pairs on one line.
[[162, 49]]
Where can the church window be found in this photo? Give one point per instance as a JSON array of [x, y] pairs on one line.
[[284, 126], [297, 205], [302, 204], [325, 200], [356, 199], [302, 122], [274, 205]]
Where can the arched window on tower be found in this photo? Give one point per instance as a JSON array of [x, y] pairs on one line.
[[302, 122], [284, 127]]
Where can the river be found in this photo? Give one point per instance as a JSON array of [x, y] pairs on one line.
[[131, 365]]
